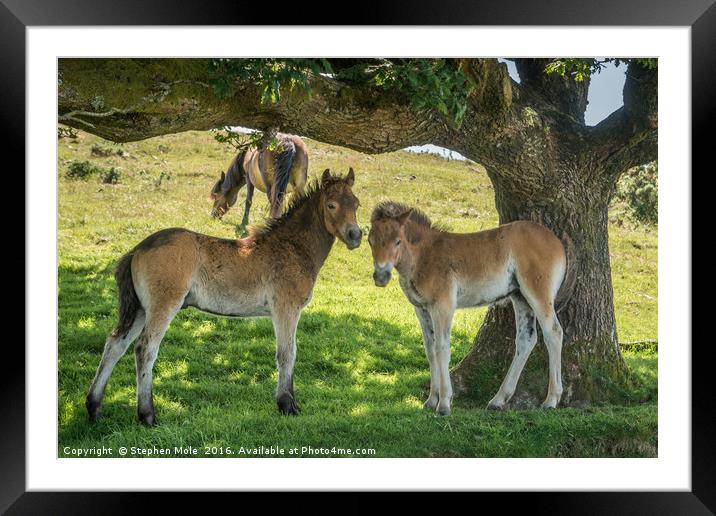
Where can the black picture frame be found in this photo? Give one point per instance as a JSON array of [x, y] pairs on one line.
[[17, 15]]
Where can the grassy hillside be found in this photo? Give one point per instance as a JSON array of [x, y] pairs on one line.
[[361, 368]]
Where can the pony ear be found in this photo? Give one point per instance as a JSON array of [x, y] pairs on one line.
[[403, 217], [215, 189], [326, 177], [351, 177]]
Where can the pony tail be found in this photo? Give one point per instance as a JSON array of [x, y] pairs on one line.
[[129, 303], [570, 274], [284, 162]]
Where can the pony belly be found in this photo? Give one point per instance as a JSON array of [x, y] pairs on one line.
[[483, 293], [257, 180], [239, 304], [258, 183]]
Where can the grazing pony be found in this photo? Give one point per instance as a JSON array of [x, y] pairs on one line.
[[441, 272], [274, 172], [269, 273]]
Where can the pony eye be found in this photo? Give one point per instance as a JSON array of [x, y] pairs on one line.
[[331, 206], [397, 242]]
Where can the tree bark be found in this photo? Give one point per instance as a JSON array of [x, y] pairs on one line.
[[544, 163]]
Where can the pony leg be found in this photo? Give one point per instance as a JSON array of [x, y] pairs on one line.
[[285, 323], [145, 352], [525, 340], [553, 336], [429, 341], [249, 200], [114, 349], [441, 317]]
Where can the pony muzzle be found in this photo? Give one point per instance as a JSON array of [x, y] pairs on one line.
[[382, 275], [218, 211], [352, 236]]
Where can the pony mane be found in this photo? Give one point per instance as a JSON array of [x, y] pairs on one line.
[[391, 209], [312, 191], [232, 175]]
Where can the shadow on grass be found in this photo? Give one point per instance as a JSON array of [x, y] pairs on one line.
[[346, 364]]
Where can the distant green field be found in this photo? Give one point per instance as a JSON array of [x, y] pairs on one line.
[[361, 368]]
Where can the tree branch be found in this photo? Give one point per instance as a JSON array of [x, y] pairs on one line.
[[639, 151], [150, 97], [632, 123], [564, 93]]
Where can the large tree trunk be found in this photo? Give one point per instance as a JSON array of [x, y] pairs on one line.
[[545, 164]]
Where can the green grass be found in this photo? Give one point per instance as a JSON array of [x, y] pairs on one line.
[[360, 372]]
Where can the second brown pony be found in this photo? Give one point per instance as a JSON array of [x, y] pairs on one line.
[[270, 273], [441, 272], [274, 172]]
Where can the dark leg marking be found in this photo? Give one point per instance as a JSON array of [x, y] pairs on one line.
[[287, 404], [94, 408], [147, 418]]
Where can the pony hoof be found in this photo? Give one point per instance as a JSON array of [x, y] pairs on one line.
[[288, 406], [94, 410], [148, 419], [494, 406], [242, 231], [430, 404], [549, 405], [443, 412]]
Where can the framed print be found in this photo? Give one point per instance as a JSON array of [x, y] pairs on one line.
[[267, 242]]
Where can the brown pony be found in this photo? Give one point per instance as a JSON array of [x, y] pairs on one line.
[[274, 172], [441, 272], [270, 273]]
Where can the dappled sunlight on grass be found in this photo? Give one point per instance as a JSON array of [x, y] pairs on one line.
[[220, 359], [67, 412], [119, 394], [380, 378], [240, 377], [171, 370], [412, 402], [169, 408], [361, 409], [202, 329], [86, 323]]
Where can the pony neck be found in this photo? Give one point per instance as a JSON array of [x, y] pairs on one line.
[[315, 236], [234, 174], [416, 237], [305, 230]]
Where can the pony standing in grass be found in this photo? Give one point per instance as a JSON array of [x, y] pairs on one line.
[[274, 172], [271, 273], [441, 272]]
